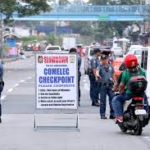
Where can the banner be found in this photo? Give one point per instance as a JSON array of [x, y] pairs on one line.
[[56, 81]]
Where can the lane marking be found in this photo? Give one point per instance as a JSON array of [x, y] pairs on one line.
[[22, 80], [10, 90], [3, 97], [16, 85], [29, 78]]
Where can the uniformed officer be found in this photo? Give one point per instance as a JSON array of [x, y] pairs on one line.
[[95, 62], [106, 81], [74, 50]]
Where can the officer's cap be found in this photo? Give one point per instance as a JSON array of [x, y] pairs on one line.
[[103, 56], [72, 50], [96, 50]]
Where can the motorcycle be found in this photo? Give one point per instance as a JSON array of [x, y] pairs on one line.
[[135, 117]]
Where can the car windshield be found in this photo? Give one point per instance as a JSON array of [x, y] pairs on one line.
[[131, 52], [53, 48], [137, 52]]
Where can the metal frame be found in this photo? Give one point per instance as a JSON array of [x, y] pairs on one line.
[[37, 127], [92, 13]]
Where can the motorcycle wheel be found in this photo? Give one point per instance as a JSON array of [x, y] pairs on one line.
[[122, 128], [139, 128]]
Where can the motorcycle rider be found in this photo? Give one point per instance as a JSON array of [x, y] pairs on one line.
[[95, 62], [132, 70]]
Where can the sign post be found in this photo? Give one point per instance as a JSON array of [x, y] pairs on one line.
[[56, 85]]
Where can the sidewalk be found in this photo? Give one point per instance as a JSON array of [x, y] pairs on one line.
[[27, 54]]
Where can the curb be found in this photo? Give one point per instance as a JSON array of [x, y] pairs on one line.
[[16, 59]]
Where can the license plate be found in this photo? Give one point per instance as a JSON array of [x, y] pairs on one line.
[[140, 112]]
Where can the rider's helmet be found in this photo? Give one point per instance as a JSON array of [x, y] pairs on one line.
[[131, 61]]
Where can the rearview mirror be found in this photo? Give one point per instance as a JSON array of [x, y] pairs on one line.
[[122, 67]]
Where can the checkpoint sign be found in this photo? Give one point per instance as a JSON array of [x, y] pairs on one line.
[[56, 81]]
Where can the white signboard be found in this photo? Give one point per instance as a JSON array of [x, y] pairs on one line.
[[56, 81]]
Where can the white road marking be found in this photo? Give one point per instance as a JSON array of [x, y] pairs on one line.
[[16, 85], [146, 137], [3, 97], [29, 78], [10, 90], [22, 81]]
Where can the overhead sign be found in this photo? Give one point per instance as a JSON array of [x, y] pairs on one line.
[[56, 81]]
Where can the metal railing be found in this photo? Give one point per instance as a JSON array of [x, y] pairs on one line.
[[113, 9]]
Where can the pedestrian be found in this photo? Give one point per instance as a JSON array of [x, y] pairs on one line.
[[1, 89], [74, 51], [80, 50], [95, 62], [106, 81]]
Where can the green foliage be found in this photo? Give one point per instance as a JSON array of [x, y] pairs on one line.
[[107, 29], [30, 7], [83, 28], [63, 2], [51, 39]]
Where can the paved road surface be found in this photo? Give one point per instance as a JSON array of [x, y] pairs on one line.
[[18, 108]]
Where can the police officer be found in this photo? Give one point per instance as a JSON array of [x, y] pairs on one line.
[[1, 88], [106, 80], [74, 51], [95, 62]]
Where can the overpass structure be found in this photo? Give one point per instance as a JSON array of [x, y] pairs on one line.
[[91, 13]]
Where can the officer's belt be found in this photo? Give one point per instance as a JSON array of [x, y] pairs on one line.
[[105, 84]]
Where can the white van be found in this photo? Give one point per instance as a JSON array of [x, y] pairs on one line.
[[145, 64]]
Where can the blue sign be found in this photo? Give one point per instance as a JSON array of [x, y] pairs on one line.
[[11, 42]]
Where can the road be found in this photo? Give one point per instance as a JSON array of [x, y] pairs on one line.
[[17, 132]]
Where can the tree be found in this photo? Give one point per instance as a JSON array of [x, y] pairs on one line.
[[107, 29], [63, 2], [23, 7], [83, 28]]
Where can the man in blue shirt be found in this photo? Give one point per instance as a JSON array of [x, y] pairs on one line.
[[94, 91], [74, 51], [106, 81]]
